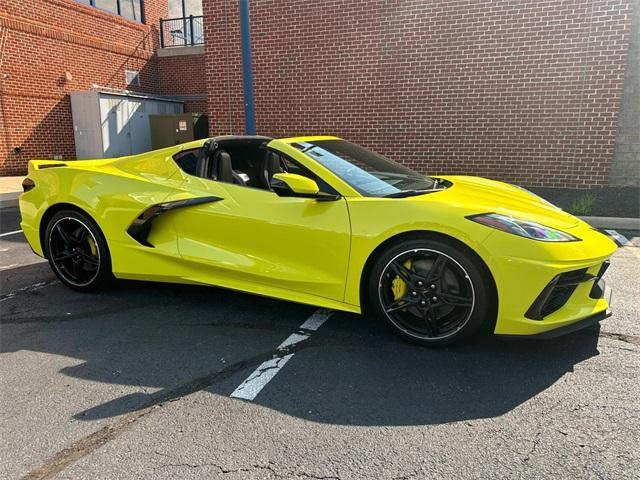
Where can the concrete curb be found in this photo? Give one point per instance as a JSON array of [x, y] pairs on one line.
[[618, 223]]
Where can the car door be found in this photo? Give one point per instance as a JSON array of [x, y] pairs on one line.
[[253, 239]]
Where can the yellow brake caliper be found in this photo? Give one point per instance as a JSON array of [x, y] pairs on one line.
[[92, 246], [398, 286]]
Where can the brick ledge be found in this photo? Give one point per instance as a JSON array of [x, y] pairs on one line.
[[36, 28]]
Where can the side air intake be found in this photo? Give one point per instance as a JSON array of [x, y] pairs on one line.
[[141, 227]]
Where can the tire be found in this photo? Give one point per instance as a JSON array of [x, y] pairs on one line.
[[431, 291], [77, 251]]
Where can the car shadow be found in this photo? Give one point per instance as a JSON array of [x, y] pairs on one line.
[[167, 341], [377, 379], [9, 219]]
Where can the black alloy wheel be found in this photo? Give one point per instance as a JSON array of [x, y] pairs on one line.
[[430, 292], [77, 251]]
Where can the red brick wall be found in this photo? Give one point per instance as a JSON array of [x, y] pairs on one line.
[[40, 40], [525, 91], [196, 106], [182, 75]]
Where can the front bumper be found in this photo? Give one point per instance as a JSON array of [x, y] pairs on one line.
[[568, 272], [558, 292], [572, 327], [599, 290], [539, 310]]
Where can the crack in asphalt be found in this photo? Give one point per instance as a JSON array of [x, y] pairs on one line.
[[632, 339], [243, 325], [535, 443], [263, 370], [28, 289], [92, 442], [269, 467], [68, 317], [407, 476]]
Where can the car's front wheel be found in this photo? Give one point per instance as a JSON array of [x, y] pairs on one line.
[[77, 251], [431, 291]]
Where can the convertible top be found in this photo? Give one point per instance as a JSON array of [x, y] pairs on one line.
[[236, 138]]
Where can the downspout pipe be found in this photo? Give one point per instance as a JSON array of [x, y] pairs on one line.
[[247, 68]]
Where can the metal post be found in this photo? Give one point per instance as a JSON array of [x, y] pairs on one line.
[[184, 30], [184, 22], [191, 29], [162, 33], [142, 15], [247, 69]]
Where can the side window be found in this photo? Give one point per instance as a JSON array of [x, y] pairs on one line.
[[291, 166], [187, 160], [249, 165]]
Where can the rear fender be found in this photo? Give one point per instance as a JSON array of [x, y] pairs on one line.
[[113, 201], [44, 164]]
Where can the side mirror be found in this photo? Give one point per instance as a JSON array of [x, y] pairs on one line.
[[296, 184]]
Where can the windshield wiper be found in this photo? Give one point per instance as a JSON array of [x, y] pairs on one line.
[[412, 193]]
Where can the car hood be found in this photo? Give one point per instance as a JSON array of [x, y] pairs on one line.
[[481, 195]]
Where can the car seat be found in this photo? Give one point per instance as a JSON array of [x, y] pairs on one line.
[[270, 166], [223, 169]]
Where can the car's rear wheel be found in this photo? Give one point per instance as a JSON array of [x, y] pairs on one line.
[[77, 251], [431, 291]]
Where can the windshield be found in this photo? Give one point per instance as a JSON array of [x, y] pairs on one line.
[[372, 175]]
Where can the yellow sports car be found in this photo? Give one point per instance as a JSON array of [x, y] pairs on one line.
[[322, 221]]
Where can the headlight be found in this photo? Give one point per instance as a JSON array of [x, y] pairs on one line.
[[523, 228]]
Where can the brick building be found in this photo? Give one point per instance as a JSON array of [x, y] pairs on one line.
[[49, 48], [527, 91]]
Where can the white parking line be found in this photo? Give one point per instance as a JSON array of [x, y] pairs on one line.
[[10, 233], [251, 387], [315, 321]]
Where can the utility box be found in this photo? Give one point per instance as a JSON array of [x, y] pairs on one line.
[[108, 124], [169, 130], [200, 126]]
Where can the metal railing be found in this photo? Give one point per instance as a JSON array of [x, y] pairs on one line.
[[181, 32]]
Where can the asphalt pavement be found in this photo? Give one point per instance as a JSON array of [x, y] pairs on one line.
[[142, 382]]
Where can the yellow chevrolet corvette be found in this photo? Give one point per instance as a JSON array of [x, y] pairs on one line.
[[322, 221]]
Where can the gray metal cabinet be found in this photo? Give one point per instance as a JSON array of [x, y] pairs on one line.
[[108, 125]]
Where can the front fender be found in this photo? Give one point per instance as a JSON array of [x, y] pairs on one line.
[[375, 221]]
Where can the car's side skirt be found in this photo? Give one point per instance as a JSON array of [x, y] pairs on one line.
[[250, 288]]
